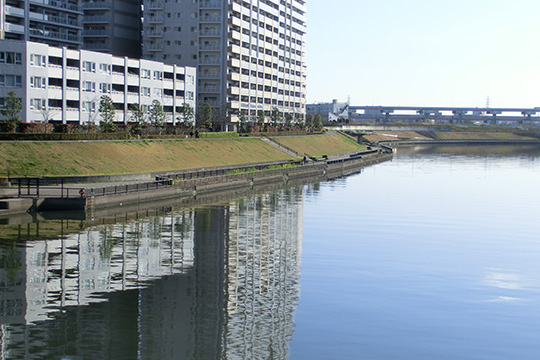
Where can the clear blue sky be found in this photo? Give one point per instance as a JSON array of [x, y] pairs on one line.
[[424, 52]]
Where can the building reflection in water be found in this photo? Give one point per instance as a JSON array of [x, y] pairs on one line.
[[210, 283]]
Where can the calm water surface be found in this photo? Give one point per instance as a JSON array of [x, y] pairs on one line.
[[433, 255]]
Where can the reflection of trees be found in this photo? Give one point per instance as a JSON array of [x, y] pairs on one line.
[[11, 262]]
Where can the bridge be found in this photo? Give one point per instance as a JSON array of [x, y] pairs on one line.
[[456, 115]]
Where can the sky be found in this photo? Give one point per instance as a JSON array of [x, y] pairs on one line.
[[424, 52]]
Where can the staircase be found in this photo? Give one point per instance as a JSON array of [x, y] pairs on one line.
[[280, 147]]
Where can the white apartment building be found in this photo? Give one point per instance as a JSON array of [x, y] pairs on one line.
[[64, 85], [250, 55]]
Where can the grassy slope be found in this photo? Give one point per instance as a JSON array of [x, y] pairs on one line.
[[124, 157], [318, 145]]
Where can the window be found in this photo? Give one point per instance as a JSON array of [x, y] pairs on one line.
[[11, 80], [88, 86], [189, 95], [37, 104], [37, 82], [89, 66], [145, 73], [190, 79], [145, 91], [7, 57], [158, 92], [37, 60], [105, 68], [158, 75], [104, 88], [89, 106]]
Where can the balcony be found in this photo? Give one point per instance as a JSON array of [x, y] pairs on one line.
[[213, 32], [57, 4], [209, 5], [154, 33], [210, 19], [209, 75], [215, 47], [210, 61], [14, 28], [154, 5], [55, 35], [96, 19], [96, 32], [155, 47], [13, 11], [156, 19], [51, 19], [98, 5]]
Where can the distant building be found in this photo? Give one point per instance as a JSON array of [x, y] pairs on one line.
[[329, 111], [63, 85], [113, 29], [53, 22], [250, 55]]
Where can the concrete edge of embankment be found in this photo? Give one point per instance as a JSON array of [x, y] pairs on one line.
[[211, 183], [459, 142]]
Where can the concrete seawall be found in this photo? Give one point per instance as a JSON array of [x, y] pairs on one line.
[[213, 181]]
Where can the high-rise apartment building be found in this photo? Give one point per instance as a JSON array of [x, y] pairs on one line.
[[250, 55], [54, 22], [113, 27], [108, 26]]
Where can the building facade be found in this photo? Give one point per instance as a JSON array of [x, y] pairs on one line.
[[113, 27], [54, 22], [333, 111], [63, 85], [250, 55]]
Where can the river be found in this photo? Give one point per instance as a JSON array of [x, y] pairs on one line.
[[433, 255]]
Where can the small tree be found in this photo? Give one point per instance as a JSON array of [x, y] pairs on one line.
[[107, 112], [243, 121], [275, 116], [11, 109], [309, 120], [288, 120], [317, 122], [136, 118], [156, 115], [260, 117], [186, 115], [205, 115]]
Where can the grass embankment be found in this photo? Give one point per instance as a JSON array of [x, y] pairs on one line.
[[445, 135], [129, 157], [319, 145]]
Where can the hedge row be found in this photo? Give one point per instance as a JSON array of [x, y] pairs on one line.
[[283, 133], [65, 136], [218, 134]]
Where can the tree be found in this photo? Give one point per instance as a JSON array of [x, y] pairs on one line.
[[288, 119], [317, 122], [136, 119], [309, 120], [11, 109], [205, 115], [260, 117], [156, 114], [107, 112], [243, 120], [275, 116], [186, 115], [299, 119]]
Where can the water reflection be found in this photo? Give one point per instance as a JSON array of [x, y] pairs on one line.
[[207, 283]]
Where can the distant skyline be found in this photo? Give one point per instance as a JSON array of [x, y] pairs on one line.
[[424, 53]]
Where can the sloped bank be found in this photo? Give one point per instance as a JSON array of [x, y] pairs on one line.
[[224, 182]]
